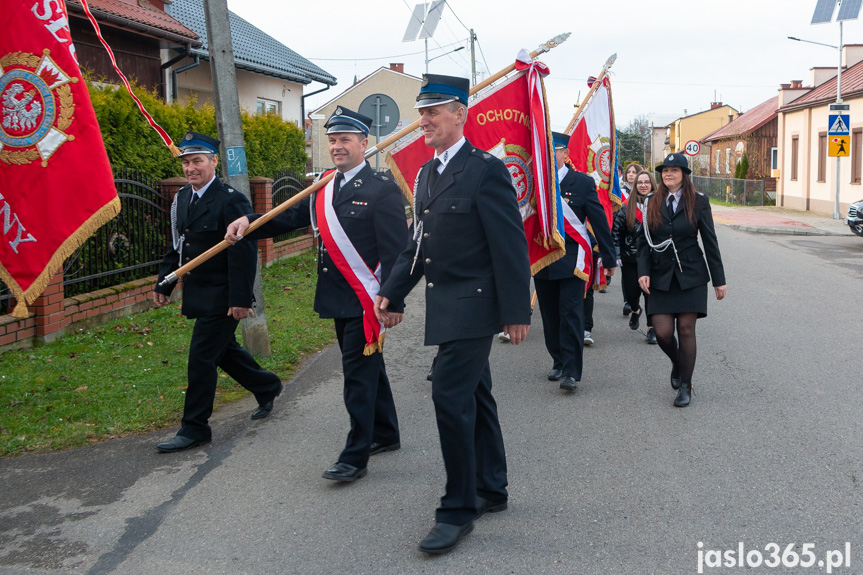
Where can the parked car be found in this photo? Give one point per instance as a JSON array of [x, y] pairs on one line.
[[855, 218]]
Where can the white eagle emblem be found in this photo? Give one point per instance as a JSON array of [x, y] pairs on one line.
[[20, 113]]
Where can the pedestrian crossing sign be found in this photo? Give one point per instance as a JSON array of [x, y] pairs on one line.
[[838, 146], [838, 124]]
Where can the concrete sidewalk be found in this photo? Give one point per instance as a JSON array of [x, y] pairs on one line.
[[776, 220]]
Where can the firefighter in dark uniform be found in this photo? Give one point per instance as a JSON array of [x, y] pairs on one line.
[[470, 246], [217, 294], [559, 291], [370, 209]]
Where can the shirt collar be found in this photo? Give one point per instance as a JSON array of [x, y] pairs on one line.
[[562, 172], [204, 188], [349, 175], [449, 153], [676, 195]]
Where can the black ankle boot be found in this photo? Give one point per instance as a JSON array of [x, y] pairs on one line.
[[683, 395], [675, 376]]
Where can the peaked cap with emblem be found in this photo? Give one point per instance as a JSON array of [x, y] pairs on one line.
[[560, 140], [674, 161], [195, 143], [437, 89], [348, 121]]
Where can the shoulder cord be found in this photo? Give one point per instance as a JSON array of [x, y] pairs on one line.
[[418, 224], [662, 246]]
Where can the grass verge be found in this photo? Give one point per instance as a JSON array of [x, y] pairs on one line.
[[129, 376]]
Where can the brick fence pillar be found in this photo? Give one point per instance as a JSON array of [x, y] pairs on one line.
[[262, 202], [49, 310]]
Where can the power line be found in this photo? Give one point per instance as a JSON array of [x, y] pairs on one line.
[[456, 16], [381, 57]]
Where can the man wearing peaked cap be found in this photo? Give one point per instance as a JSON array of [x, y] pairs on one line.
[[366, 210], [470, 246], [218, 294], [559, 291]]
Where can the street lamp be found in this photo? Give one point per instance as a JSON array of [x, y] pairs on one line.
[[440, 56], [836, 214]]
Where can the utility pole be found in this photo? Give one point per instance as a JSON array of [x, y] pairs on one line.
[[256, 336]]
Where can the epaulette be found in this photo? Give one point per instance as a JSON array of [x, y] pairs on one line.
[[481, 153], [381, 176], [230, 190], [699, 193]]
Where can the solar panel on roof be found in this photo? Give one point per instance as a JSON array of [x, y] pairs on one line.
[[849, 10], [823, 11]]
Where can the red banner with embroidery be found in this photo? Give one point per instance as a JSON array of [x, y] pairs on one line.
[[593, 147], [510, 121], [56, 186]]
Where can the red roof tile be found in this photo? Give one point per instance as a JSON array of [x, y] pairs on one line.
[[748, 122], [147, 16], [852, 85]]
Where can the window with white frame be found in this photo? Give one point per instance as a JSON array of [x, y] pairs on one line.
[[718, 154], [727, 160], [268, 106]]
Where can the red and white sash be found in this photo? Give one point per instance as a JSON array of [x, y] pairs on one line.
[[575, 229], [365, 282]]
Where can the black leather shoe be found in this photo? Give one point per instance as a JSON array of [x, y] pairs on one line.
[[344, 472], [554, 374], [264, 409], [634, 319], [675, 376], [626, 308], [651, 336], [179, 443], [568, 383], [683, 395], [444, 537], [376, 447], [431, 369], [484, 506]]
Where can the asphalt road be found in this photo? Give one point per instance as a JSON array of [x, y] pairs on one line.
[[611, 479]]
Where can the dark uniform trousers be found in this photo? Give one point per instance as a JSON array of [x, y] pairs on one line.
[[474, 258], [561, 295], [214, 344], [370, 209], [367, 393], [224, 281]]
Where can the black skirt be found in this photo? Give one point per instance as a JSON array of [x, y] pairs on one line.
[[677, 300]]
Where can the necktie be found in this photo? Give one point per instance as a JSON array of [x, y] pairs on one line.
[[337, 185], [670, 207], [195, 198], [433, 176]]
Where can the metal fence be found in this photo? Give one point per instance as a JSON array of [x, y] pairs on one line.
[[287, 184], [735, 191], [127, 248]]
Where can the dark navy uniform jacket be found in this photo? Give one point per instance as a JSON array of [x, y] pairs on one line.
[[473, 252], [579, 191], [661, 266], [225, 280], [370, 208]]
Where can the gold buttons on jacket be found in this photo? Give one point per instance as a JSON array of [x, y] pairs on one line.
[[324, 270], [479, 290], [429, 285], [428, 260], [425, 211], [425, 235]]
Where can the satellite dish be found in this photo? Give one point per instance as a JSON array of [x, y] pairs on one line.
[[384, 113]]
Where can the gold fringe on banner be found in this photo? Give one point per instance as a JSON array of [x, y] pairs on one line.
[[105, 214]]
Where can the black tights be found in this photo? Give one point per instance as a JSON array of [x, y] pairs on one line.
[[682, 353]]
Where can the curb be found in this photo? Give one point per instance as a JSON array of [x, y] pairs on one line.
[[784, 230]]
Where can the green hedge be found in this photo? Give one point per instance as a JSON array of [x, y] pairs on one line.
[[271, 143]]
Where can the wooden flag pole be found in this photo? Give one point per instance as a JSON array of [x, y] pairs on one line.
[[297, 198], [608, 64]]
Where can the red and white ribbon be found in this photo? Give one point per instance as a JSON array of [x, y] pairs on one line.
[[365, 282]]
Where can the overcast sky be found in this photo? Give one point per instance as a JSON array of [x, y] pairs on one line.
[[672, 56]]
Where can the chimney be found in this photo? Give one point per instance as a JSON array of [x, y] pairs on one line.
[[784, 86], [796, 84], [714, 105], [397, 67]]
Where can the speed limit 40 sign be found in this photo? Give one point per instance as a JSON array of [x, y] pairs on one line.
[[692, 148]]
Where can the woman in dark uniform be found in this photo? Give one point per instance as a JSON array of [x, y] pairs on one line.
[[672, 267]]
